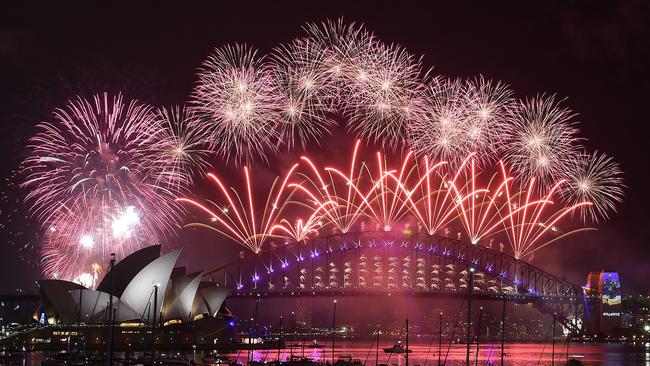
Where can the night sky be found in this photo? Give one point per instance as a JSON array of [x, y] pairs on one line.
[[595, 55]]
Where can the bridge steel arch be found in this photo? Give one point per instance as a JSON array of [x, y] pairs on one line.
[[406, 264]]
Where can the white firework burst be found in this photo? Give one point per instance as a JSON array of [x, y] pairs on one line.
[[440, 132], [180, 146], [594, 178], [541, 139], [236, 101], [342, 45], [487, 104], [303, 86], [386, 91]]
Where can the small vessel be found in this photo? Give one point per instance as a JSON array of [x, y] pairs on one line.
[[299, 361], [397, 348], [219, 360], [347, 360], [65, 359], [314, 344], [574, 362]]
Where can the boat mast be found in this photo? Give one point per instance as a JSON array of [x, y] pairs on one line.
[[377, 349], [407, 342]]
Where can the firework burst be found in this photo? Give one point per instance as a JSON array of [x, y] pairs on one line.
[[303, 87], [529, 220], [541, 140], [102, 175], [487, 106], [241, 220], [236, 102], [94, 160], [596, 178], [385, 94], [439, 134], [181, 148], [340, 45], [328, 184]]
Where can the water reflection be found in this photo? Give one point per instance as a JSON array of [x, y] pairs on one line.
[[516, 354]]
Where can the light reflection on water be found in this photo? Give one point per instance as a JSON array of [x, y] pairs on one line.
[[517, 354]]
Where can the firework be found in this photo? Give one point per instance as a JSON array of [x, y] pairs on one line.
[[92, 162], [440, 133], [487, 106], [435, 195], [528, 220], [79, 238], [541, 140], [329, 184], [101, 177], [341, 45], [236, 102], [430, 200], [595, 178], [385, 94], [303, 87], [240, 219], [180, 146], [302, 230]]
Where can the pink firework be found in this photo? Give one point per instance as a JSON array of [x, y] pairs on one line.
[[94, 161], [238, 217], [530, 218], [302, 230], [328, 184], [483, 203]]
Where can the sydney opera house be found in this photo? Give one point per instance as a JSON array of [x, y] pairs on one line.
[[149, 301]]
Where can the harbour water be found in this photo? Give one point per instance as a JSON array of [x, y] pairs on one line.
[[516, 354], [424, 353]]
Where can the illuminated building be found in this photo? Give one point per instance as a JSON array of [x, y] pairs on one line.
[[606, 316]]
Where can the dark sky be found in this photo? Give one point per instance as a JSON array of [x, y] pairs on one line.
[[594, 54]]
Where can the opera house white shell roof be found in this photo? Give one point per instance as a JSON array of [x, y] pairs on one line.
[[135, 282]]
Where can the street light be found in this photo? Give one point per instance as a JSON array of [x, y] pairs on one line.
[[333, 330], [111, 318], [470, 288]]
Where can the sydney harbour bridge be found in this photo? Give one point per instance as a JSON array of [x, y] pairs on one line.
[[404, 264]]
